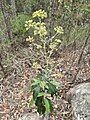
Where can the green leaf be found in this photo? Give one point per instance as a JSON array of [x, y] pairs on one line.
[[38, 101], [40, 105], [35, 82], [52, 89], [41, 110], [36, 91], [40, 94], [47, 106], [43, 84]]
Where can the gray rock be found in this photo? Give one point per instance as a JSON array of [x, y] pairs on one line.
[[80, 100], [32, 116]]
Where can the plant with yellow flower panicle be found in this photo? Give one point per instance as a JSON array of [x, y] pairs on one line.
[[40, 14], [30, 39], [59, 30], [44, 85], [40, 29]]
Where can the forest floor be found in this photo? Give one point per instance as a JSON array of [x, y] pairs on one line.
[[15, 84]]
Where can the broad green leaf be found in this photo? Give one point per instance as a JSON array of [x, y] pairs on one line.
[[35, 82], [52, 89], [40, 94], [47, 105], [41, 109], [43, 84], [36, 91]]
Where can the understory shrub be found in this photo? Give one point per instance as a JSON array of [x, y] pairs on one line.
[[18, 24]]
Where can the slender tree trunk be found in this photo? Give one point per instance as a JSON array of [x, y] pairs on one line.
[[6, 17], [51, 16], [13, 8]]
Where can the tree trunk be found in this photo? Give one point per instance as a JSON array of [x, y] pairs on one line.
[[6, 17], [13, 8], [51, 17]]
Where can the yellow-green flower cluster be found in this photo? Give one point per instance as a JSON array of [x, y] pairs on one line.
[[40, 29], [29, 24], [30, 39], [38, 46], [54, 44], [60, 1], [40, 13], [59, 30], [36, 65]]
